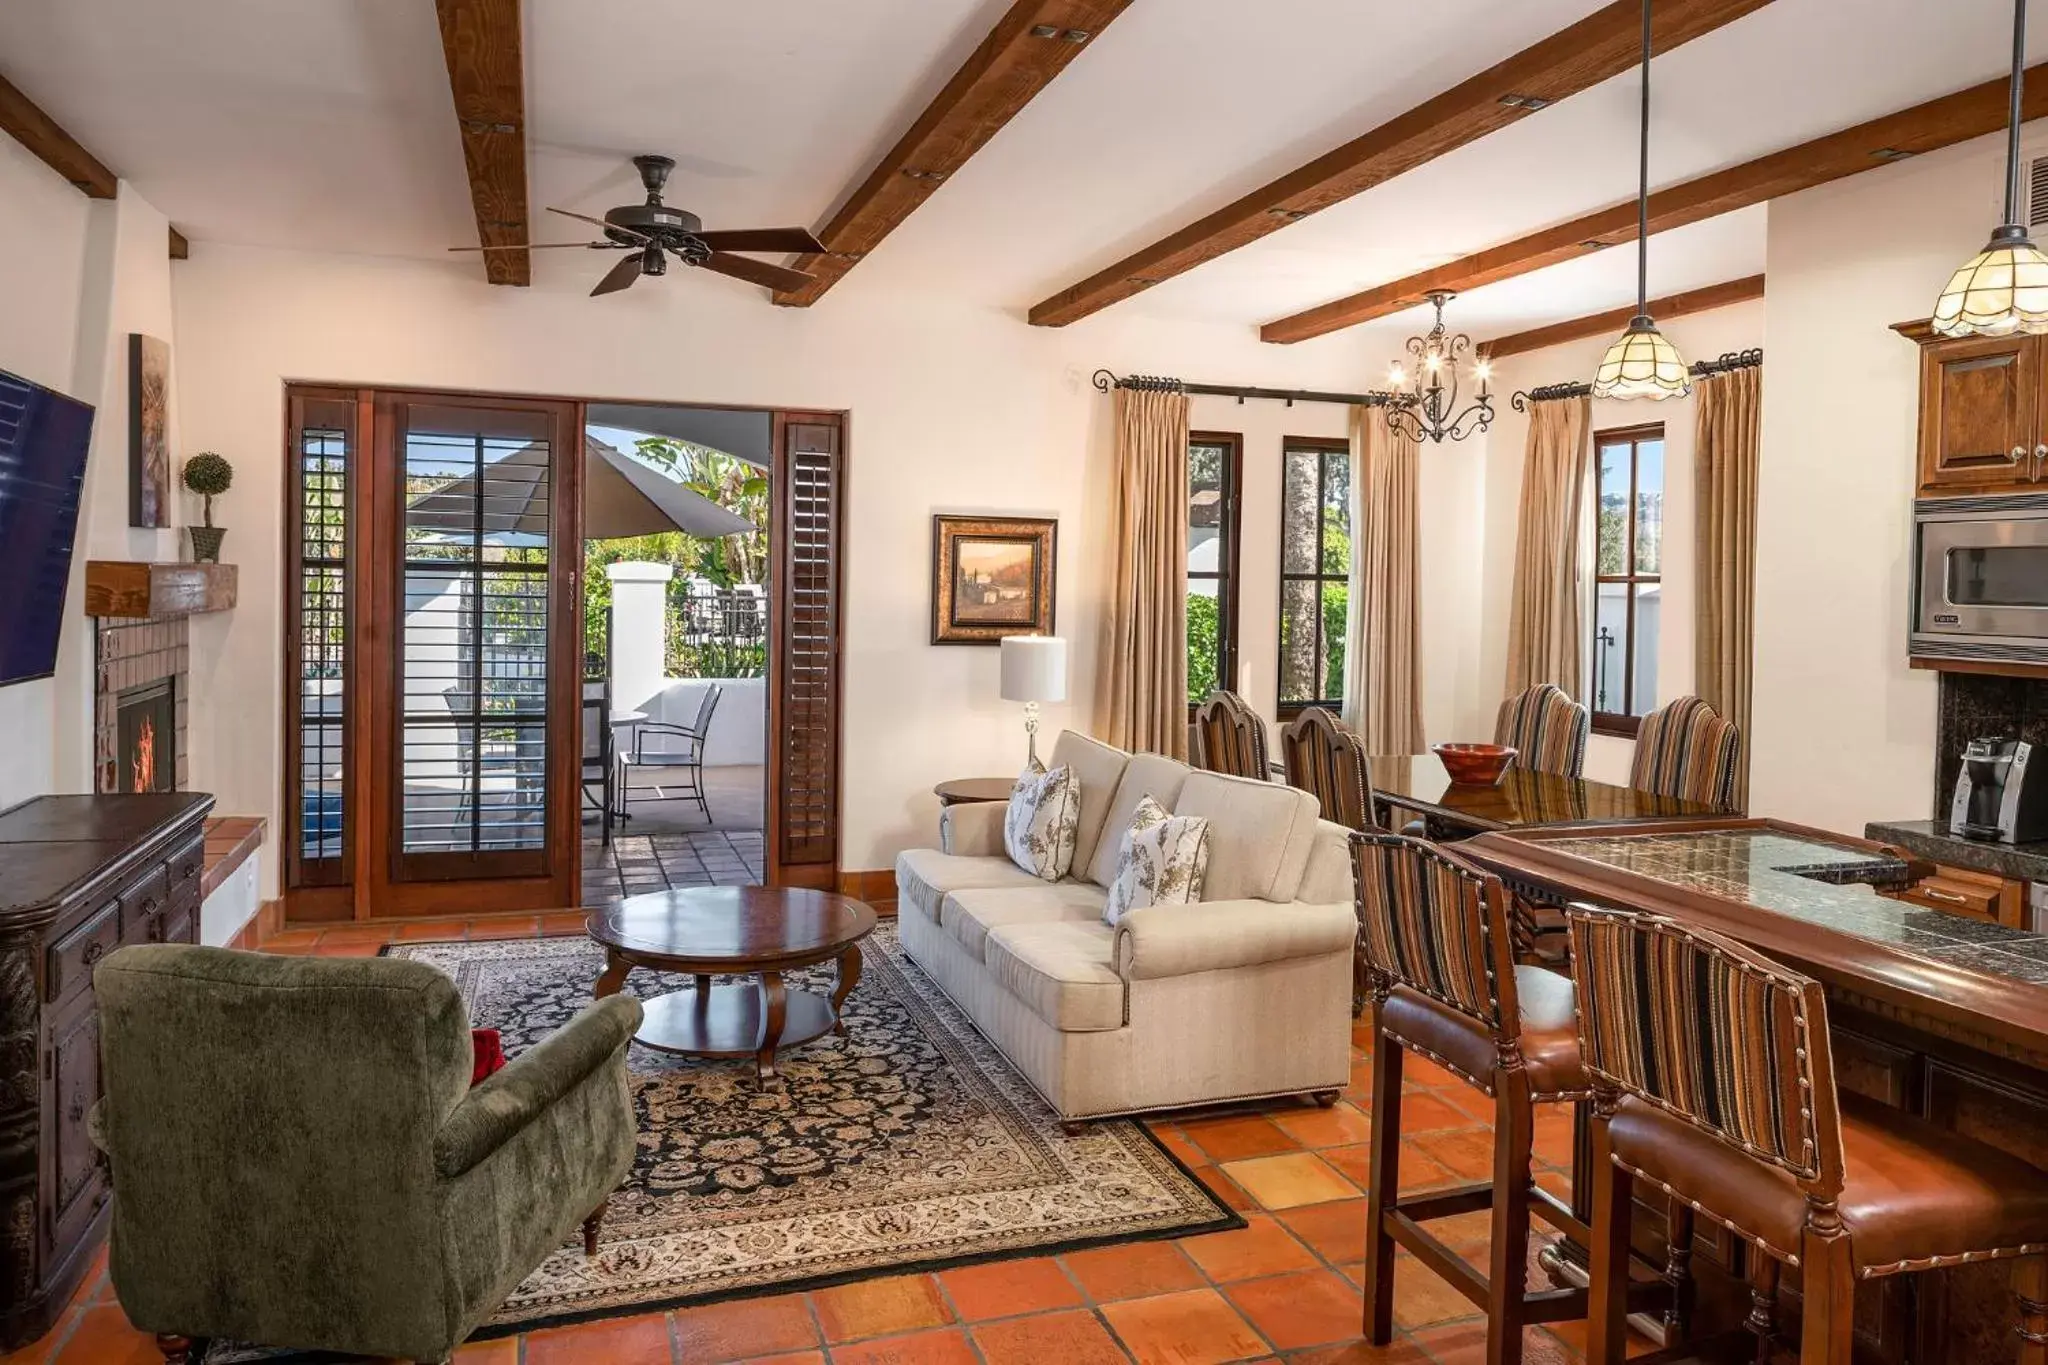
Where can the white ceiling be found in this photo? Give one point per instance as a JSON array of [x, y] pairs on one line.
[[328, 125]]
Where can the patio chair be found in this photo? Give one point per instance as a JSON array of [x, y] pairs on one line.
[[600, 761], [690, 759]]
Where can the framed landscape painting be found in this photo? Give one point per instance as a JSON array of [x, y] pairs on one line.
[[149, 431], [991, 577]]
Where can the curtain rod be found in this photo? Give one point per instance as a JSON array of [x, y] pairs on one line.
[[1720, 364], [1104, 381]]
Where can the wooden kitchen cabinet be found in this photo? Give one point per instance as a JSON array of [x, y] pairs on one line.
[[1965, 891], [1982, 412]]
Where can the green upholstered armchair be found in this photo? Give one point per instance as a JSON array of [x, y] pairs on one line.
[[299, 1161]]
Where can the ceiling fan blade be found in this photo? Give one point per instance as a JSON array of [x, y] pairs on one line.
[[795, 241], [619, 276], [599, 222], [538, 246], [757, 272]]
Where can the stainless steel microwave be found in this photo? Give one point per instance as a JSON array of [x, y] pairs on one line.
[[1980, 579]]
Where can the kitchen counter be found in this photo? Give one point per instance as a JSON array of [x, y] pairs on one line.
[[1931, 839], [1942, 1016]]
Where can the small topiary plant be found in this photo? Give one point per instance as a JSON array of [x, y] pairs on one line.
[[209, 475]]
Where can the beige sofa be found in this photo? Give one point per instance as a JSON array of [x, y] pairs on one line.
[[1245, 995]]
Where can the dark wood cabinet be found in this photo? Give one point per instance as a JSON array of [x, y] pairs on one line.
[[79, 877], [1982, 412]]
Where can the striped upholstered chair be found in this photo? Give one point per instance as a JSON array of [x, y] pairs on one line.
[[1714, 1081], [1685, 749], [1546, 729], [1444, 983], [1329, 762], [1230, 738]]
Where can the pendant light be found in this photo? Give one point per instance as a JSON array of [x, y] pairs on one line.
[[1641, 363], [2004, 288]]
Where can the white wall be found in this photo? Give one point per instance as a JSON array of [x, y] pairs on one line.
[[1699, 337], [953, 409], [77, 276], [1845, 731]]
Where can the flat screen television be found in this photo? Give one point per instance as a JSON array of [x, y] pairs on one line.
[[43, 440]]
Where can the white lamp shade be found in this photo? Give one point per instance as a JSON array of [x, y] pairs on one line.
[[1034, 668], [1642, 364], [2001, 290]]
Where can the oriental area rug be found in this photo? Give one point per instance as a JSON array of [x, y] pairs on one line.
[[908, 1144]]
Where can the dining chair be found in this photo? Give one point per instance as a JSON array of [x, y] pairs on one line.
[[1322, 757], [1444, 984], [690, 759], [1230, 738], [1546, 729], [1685, 749], [1714, 1083]]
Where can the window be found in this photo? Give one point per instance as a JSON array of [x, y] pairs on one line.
[[1215, 463], [1628, 590], [1315, 571]]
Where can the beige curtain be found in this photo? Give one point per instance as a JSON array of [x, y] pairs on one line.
[[1727, 410], [1543, 622], [1143, 701], [1383, 629]]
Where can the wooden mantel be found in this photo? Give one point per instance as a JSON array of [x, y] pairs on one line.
[[126, 588]]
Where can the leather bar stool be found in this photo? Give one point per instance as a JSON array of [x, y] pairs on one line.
[[1714, 1081], [1439, 957]]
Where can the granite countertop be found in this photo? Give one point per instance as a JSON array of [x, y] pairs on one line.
[[1931, 839], [1827, 885]]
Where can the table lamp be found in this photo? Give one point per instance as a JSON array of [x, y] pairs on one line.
[[1034, 670]]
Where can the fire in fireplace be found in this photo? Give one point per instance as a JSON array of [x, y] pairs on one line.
[[146, 738]]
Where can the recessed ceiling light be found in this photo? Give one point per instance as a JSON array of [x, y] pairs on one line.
[[1077, 35], [1045, 30], [1531, 102], [1291, 215], [1893, 154]]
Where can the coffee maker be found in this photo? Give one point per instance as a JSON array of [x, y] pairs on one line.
[[2001, 794]]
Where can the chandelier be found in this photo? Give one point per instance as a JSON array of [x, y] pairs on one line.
[[1424, 406]]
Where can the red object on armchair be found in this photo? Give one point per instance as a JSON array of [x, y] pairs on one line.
[[489, 1051]]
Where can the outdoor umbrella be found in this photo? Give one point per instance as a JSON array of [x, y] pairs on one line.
[[621, 497]]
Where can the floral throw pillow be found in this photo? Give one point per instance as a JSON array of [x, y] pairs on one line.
[[1044, 816], [1162, 861]]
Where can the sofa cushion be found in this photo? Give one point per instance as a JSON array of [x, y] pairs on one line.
[[1061, 971], [1161, 862], [924, 876], [970, 915], [1098, 768], [1153, 775], [1038, 829], [1260, 834]]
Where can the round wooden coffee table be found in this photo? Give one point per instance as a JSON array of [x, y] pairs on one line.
[[739, 931], [963, 791]]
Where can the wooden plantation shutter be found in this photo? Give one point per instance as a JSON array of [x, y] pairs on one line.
[[808, 485]]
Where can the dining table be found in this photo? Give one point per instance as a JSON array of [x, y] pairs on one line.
[[1523, 798]]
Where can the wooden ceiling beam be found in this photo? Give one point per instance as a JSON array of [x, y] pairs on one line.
[[37, 131], [1027, 48], [1603, 44], [1923, 128], [482, 42], [1614, 319]]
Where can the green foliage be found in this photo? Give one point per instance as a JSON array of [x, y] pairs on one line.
[[208, 474], [1336, 605], [1613, 539], [1204, 634]]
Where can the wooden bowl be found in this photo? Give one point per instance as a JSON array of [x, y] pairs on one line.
[[1474, 765]]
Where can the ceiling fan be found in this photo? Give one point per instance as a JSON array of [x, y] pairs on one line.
[[653, 232]]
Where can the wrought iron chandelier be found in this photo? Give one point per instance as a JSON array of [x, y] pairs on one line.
[[1424, 406]]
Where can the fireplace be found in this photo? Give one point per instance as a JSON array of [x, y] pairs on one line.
[[141, 706], [146, 737]]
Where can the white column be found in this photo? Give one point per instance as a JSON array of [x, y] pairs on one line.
[[639, 631]]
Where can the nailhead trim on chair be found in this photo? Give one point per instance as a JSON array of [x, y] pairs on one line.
[[1485, 1086], [1871, 1272]]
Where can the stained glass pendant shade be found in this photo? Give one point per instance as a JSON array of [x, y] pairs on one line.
[[1642, 363], [2003, 289]]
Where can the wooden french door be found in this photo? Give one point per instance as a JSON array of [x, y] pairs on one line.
[[434, 648]]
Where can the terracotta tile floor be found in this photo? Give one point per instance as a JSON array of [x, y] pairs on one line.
[[1283, 1288]]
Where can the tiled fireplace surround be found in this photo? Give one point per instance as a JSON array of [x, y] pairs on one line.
[[128, 654]]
